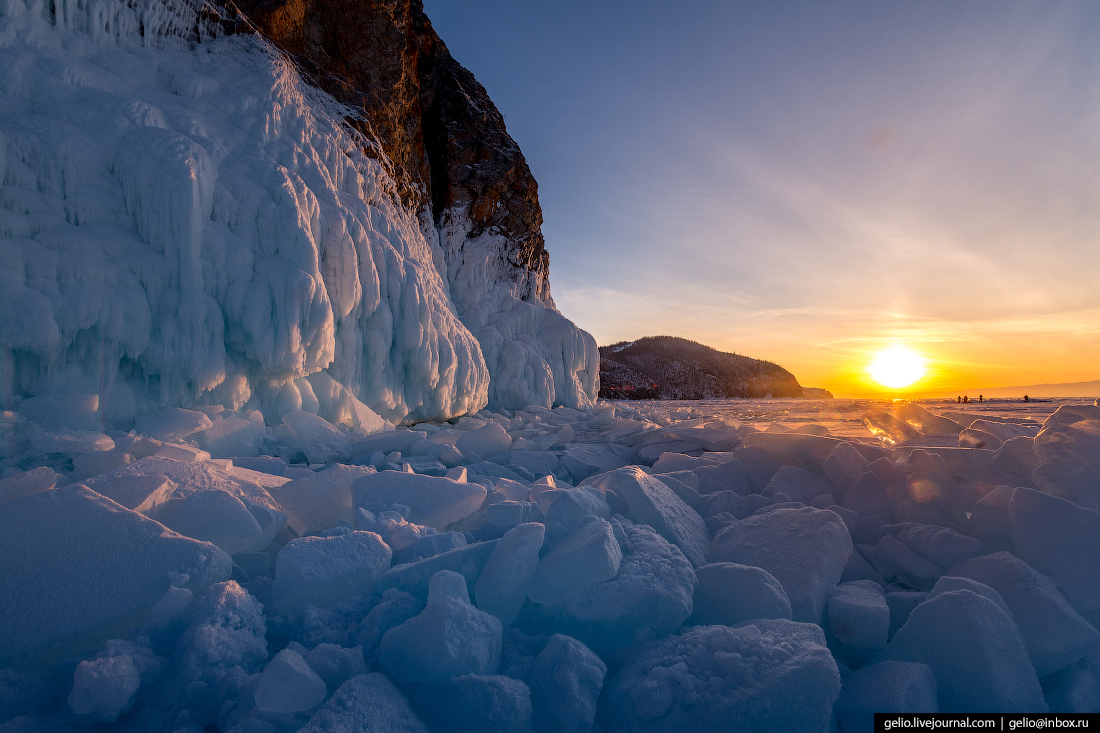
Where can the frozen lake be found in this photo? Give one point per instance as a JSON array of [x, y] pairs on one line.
[[843, 416]]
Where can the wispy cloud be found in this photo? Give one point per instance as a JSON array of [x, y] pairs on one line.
[[804, 182]]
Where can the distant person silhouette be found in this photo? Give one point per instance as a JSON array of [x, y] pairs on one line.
[[966, 399], [981, 399], [959, 399], [1027, 399]]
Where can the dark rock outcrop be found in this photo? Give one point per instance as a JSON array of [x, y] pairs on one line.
[[669, 368], [451, 156]]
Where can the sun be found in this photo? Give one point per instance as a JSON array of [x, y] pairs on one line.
[[897, 367]]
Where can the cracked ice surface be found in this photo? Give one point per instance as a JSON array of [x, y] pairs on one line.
[[945, 579]]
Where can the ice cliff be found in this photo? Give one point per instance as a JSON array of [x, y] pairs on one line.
[[188, 218]]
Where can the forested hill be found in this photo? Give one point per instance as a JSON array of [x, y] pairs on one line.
[[670, 368]]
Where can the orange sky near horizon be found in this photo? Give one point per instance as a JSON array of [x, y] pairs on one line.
[[807, 183], [830, 353], [957, 361]]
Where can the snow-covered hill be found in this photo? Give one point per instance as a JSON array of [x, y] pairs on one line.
[[184, 220]]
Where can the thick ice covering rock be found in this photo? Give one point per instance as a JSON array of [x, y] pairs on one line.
[[805, 549], [650, 597], [767, 675], [434, 501], [885, 687], [974, 650], [502, 586], [653, 503], [475, 703], [449, 638], [566, 681], [1055, 634], [229, 257], [83, 562], [728, 593], [535, 355], [366, 704], [288, 685], [1062, 540], [323, 571]]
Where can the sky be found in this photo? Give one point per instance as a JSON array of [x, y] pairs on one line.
[[812, 183]]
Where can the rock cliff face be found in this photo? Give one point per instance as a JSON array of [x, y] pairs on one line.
[[455, 166], [452, 157]]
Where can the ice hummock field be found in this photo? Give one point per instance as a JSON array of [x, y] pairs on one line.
[[185, 221], [212, 314], [645, 566]]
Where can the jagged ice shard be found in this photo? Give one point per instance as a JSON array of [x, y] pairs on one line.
[[185, 221]]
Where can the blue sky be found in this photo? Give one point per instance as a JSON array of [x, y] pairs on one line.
[[808, 182]]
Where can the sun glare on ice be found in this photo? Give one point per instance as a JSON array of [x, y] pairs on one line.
[[897, 367]]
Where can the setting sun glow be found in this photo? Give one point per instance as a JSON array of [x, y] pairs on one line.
[[897, 367]]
